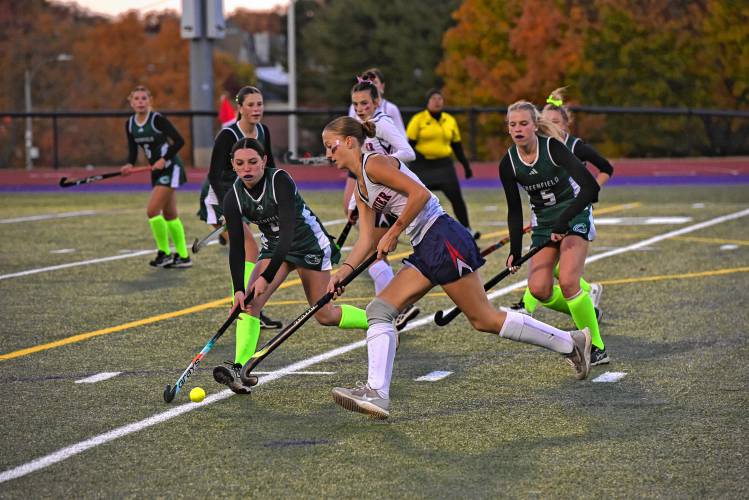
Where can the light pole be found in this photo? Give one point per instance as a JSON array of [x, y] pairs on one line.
[[27, 77], [291, 56]]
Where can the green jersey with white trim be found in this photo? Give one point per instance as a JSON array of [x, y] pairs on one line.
[[549, 187], [309, 234], [152, 140]]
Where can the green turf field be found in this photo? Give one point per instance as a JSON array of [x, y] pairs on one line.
[[510, 421]]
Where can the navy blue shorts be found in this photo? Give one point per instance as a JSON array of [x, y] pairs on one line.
[[446, 253]]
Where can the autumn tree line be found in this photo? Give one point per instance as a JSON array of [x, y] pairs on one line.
[[483, 53]]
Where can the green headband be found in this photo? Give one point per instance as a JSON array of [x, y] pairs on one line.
[[555, 102]]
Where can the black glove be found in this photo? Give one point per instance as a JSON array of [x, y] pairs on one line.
[[469, 172]]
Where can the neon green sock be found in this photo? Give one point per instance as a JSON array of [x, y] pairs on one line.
[[584, 285], [352, 317], [584, 315], [556, 301], [248, 327], [177, 232], [529, 301], [160, 232], [248, 333], [556, 270]]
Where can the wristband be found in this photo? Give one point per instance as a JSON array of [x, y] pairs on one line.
[[349, 265]]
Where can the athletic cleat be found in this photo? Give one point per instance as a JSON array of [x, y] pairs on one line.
[[179, 262], [579, 358], [362, 399], [599, 314], [518, 308], [599, 357], [161, 260], [596, 290], [405, 316], [229, 376], [269, 324]]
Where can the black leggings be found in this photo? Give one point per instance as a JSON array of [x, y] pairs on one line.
[[439, 175]]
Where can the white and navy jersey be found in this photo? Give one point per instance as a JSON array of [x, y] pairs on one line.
[[389, 109], [388, 201], [388, 140]]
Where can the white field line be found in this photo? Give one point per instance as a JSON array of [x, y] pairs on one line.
[[610, 377], [97, 378], [80, 447], [433, 376], [107, 259], [61, 215]]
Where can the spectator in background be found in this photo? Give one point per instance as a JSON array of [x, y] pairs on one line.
[[374, 75], [435, 136]]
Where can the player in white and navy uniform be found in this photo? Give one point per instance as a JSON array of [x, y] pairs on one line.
[[445, 254], [389, 108]]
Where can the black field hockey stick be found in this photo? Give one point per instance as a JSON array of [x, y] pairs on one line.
[[65, 183], [198, 244], [246, 371], [169, 391], [344, 234], [496, 246], [443, 319]]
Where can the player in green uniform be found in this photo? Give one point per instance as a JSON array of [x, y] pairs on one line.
[[292, 237], [557, 113], [561, 190], [160, 142], [221, 177]]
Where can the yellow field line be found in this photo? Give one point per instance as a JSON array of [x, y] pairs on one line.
[[704, 274], [209, 305]]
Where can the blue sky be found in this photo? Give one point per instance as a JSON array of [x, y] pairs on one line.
[[114, 7]]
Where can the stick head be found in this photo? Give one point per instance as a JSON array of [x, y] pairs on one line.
[[62, 181], [195, 247], [168, 394]]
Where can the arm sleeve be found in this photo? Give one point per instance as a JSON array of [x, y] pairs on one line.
[[514, 207], [219, 160], [284, 190], [588, 186], [457, 148], [268, 148], [177, 141], [132, 148], [236, 240], [587, 153], [390, 134], [395, 113]]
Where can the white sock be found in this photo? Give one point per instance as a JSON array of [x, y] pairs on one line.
[[381, 273], [525, 329], [381, 353]]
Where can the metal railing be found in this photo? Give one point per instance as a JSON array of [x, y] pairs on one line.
[[469, 116]]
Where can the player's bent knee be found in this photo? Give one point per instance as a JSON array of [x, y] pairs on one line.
[[326, 317], [379, 311]]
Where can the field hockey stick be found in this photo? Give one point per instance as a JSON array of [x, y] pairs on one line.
[[198, 244], [344, 234], [496, 246], [304, 160], [65, 183], [270, 346], [443, 319], [169, 391]]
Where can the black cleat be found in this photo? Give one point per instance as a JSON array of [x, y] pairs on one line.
[[161, 260], [269, 324], [228, 375], [598, 356], [179, 263]]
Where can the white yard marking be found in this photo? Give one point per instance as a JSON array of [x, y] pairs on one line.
[[433, 376], [729, 246], [80, 447], [639, 221], [97, 378], [698, 205], [136, 253], [610, 377], [63, 250], [294, 373], [61, 215]]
